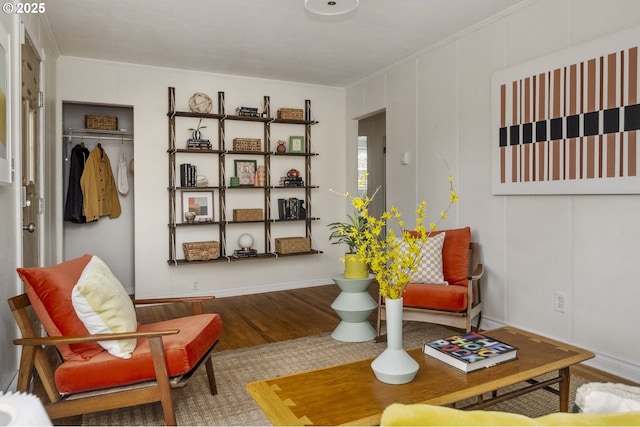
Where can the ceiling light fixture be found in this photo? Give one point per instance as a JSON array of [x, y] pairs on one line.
[[331, 7]]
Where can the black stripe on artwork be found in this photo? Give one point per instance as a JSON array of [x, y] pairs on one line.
[[632, 117], [569, 126]]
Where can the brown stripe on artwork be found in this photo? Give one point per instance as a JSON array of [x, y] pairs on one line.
[[556, 111], [535, 99], [581, 171], [611, 155], [572, 158], [621, 150], [503, 165], [600, 143], [526, 168], [514, 163], [590, 172], [633, 76], [503, 106], [533, 163], [514, 103], [612, 77], [573, 96], [541, 156], [527, 99], [541, 97], [601, 85], [591, 86], [631, 149], [582, 90], [555, 164]]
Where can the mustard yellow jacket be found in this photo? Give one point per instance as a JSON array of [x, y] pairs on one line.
[[98, 187]]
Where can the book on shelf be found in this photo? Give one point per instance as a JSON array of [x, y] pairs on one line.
[[470, 352], [291, 181], [291, 208], [247, 112], [199, 144], [188, 175]]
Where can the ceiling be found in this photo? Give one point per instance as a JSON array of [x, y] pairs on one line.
[[272, 39]]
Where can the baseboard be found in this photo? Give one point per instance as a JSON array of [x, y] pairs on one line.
[[257, 289], [615, 366], [602, 362], [271, 287]]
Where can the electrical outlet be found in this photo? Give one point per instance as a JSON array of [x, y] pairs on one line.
[[559, 301], [195, 285]]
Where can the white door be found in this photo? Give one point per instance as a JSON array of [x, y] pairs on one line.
[[30, 155]]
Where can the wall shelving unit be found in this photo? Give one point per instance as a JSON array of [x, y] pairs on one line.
[[222, 154]]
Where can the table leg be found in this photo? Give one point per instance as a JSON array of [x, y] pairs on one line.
[[565, 381]]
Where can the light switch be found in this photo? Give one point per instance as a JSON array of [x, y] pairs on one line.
[[405, 158]]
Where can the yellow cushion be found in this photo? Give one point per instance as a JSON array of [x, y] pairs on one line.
[[431, 415]]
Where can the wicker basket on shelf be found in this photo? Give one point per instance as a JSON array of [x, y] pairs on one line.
[[247, 144], [101, 122], [292, 245], [201, 251], [243, 215], [290, 113]]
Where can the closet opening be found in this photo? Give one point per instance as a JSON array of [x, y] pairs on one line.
[[98, 185]]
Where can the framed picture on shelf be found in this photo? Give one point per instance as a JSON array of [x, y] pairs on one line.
[[245, 170], [197, 206], [296, 144]]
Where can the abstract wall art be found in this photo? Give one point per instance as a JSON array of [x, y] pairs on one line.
[[569, 123]]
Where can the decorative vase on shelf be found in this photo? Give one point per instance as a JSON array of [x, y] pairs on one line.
[[394, 365], [354, 268]]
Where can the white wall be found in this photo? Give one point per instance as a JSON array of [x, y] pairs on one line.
[[532, 246], [145, 88]]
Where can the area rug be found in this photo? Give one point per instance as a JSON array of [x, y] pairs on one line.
[[233, 406]]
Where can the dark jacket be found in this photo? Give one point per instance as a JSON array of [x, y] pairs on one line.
[[73, 204]]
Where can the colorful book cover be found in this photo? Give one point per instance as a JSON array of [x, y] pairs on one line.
[[470, 351]]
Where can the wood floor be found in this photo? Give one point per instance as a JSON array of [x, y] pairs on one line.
[[262, 318], [278, 316]]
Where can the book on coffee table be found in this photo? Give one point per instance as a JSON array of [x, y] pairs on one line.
[[469, 352]]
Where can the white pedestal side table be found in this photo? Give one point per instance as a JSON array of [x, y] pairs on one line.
[[354, 305]]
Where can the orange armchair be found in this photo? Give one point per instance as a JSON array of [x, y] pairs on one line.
[[455, 304], [88, 377]]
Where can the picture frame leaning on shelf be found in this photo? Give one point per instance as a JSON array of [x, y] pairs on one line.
[[245, 170], [199, 203], [296, 144]]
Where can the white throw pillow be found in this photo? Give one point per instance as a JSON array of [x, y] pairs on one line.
[[429, 268], [103, 306]]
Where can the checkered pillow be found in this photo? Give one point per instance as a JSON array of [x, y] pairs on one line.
[[429, 269]]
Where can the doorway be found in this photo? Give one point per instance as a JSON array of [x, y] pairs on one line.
[[372, 170], [31, 104]]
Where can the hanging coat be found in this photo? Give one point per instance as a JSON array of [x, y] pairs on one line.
[[98, 187], [73, 205]]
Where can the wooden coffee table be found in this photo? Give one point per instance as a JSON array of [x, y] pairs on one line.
[[351, 394]]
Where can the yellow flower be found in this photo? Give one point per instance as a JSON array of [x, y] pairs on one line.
[[392, 259]]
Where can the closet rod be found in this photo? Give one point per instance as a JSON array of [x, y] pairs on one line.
[[114, 138]]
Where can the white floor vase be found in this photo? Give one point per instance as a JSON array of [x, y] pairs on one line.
[[394, 365]]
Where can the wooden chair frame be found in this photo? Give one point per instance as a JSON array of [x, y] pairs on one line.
[[34, 357], [456, 319]]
